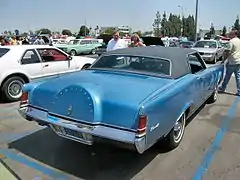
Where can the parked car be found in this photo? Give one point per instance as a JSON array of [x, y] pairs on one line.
[[173, 44], [132, 97], [226, 46], [210, 50], [59, 41], [80, 46], [152, 41], [186, 44], [101, 49], [21, 64]]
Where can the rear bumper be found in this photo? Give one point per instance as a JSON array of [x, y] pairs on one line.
[[85, 134]]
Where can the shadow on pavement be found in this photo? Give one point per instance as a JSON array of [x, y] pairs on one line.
[[86, 162]]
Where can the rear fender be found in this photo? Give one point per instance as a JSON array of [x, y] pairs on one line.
[[185, 109]]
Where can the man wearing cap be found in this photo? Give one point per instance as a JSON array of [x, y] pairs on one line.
[[233, 62]]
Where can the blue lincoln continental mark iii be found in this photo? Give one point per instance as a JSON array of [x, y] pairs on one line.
[[133, 97]]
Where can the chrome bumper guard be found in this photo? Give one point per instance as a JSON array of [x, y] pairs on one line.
[[80, 132]]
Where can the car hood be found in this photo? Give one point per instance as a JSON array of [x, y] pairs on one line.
[[97, 96], [205, 50]]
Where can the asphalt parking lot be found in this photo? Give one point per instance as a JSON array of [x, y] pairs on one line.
[[209, 149]]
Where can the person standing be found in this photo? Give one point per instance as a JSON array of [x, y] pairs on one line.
[[136, 42], [233, 62], [39, 41], [116, 42], [14, 41]]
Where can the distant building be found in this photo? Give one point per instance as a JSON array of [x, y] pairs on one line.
[[122, 29]]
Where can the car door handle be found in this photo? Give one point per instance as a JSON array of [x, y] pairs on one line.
[[46, 65]]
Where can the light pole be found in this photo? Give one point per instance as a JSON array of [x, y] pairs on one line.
[[196, 20], [182, 19]]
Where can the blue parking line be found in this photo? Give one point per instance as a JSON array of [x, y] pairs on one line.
[[45, 170], [207, 158]]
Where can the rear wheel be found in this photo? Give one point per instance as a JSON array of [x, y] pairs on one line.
[[86, 66], [73, 53], [175, 136], [93, 51], [12, 88], [213, 97]]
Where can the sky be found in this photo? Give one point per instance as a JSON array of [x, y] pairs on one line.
[[138, 14]]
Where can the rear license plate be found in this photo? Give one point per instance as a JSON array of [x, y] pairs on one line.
[[72, 133]]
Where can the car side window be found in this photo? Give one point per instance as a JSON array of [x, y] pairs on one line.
[[84, 42], [52, 55], [30, 57], [195, 62]]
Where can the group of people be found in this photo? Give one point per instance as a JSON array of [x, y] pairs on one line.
[[10, 41], [22, 40], [117, 43]]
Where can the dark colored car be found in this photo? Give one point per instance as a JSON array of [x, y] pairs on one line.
[[186, 44]]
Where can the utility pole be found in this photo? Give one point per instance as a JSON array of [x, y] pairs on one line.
[[85, 29], [182, 14], [196, 20]]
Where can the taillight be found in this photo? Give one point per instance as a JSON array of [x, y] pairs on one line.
[[142, 125], [24, 98]]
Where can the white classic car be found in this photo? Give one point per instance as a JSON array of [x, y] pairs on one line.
[[21, 64]]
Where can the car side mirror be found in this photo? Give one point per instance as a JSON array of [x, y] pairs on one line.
[[69, 58]]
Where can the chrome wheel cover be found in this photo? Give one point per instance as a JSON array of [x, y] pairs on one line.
[[14, 89], [178, 129]]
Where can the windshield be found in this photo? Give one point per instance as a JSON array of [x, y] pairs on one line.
[[225, 45], [186, 43], [3, 51], [73, 42], [205, 44], [138, 64]]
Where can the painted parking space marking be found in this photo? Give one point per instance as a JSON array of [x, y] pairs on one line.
[[6, 173], [55, 174], [208, 156]]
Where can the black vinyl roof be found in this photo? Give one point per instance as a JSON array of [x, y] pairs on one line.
[[176, 55]]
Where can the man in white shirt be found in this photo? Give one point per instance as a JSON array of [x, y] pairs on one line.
[[116, 42], [233, 64]]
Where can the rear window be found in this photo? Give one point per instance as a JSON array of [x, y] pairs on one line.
[[3, 51]]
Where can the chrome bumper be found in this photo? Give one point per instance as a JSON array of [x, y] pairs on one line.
[[87, 134]]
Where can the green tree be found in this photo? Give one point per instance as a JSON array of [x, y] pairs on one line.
[[43, 31], [164, 25], [138, 33], [224, 31], [147, 33], [174, 25], [212, 30], [24, 34], [109, 30], [157, 25], [83, 31], [236, 25], [189, 27], [66, 32]]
